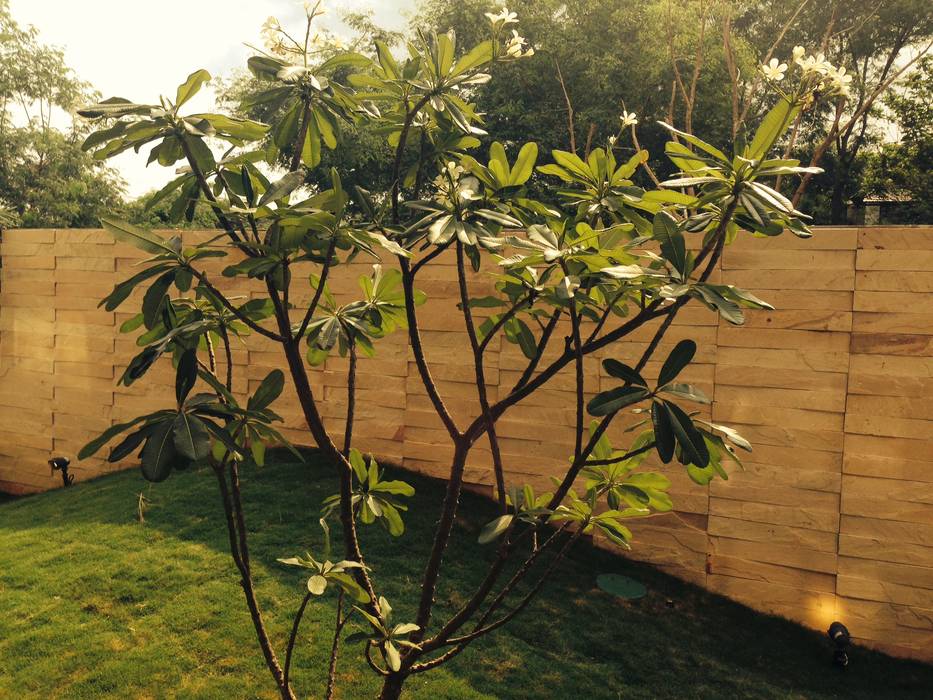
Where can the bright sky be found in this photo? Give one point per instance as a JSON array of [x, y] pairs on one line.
[[139, 50]]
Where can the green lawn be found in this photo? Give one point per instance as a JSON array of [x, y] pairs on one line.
[[94, 604]]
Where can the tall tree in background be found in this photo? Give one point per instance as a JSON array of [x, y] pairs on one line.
[[45, 177], [881, 44], [365, 158], [695, 64], [905, 169], [591, 56]]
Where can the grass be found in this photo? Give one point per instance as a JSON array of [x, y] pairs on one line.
[[94, 604]]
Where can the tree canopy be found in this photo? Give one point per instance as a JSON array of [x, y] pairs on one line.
[[45, 177]]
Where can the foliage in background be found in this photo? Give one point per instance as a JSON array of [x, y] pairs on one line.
[[904, 169], [46, 179]]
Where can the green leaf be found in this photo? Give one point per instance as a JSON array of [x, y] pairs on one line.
[[265, 67], [733, 436], [394, 488], [130, 443], [498, 163], [324, 127], [139, 237], [192, 438], [190, 87], [392, 656], [524, 164], [772, 127], [679, 358], [698, 142], [663, 432], [475, 57], [353, 589], [686, 391], [283, 133], [158, 455], [258, 449], [622, 371], [607, 402], [386, 61], [493, 530], [517, 331], [727, 308], [673, 247], [94, 445], [355, 60], [692, 446], [283, 187], [122, 290], [268, 391], [154, 298], [186, 375], [572, 163]]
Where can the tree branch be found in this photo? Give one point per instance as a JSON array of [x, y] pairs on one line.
[[480, 376], [312, 307], [570, 126], [414, 337], [227, 304]]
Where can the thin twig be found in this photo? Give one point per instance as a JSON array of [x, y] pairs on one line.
[[570, 127], [289, 649]]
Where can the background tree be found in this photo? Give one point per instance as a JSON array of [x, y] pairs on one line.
[[698, 68], [364, 158], [46, 179], [904, 169], [879, 44]]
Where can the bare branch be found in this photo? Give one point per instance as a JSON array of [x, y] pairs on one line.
[[571, 130]]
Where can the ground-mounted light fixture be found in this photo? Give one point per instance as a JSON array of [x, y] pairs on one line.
[[840, 636], [60, 464]]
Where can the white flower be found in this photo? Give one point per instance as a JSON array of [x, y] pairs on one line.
[[270, 25], [816, 64], [839, 81], [515, 48], [628, 118], [503, 18], [313, 8], [612, 141], [822, 65], [798, 53], [774, 70]]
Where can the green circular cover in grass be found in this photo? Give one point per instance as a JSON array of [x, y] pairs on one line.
[[621, 586]]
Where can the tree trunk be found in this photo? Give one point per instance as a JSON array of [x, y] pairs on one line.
[[838, 211], [392, 687]]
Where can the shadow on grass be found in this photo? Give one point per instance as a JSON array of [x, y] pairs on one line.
[[172, 577]]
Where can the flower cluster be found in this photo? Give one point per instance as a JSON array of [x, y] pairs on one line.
[[517, 47], [816, 72], [503, 18], [280, 43], [454, 185]]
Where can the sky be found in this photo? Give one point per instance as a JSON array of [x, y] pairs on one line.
[[139, 50]]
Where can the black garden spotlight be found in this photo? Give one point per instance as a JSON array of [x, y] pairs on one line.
[[60, 464], [840, 636]]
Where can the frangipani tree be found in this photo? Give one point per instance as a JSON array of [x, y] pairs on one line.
[[599, 256]]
